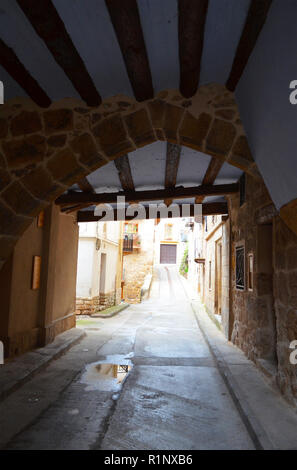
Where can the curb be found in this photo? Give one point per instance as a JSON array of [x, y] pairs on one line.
[[44, 360], [99, 315], [257, 433]]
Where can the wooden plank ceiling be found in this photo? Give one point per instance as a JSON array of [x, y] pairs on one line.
[[136, 38]]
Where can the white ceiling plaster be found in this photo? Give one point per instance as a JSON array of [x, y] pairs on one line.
[[223, 27], [105, 179], [148, 166], [192, 167], [17, 33], [89, 26], [160, 30]]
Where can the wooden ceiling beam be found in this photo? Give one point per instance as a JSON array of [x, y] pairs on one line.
[[254, 23], [213, 208], [122, 165], [125, 18], [85, 186], [210, 176], [72, 198], [172, 163], [47, 23], [20, 74], [191, 23]]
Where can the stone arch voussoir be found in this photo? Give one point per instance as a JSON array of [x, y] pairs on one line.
[[44, 152]]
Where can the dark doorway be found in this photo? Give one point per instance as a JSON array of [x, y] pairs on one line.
[[267, 332], [168, 254]]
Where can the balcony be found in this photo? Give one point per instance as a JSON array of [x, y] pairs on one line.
[[131, 242]]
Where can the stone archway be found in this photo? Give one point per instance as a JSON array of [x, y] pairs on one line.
[[43, 152]]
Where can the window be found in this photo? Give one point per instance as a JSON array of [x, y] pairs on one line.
[[168, 231], [130, 228], [250, 271], [209, 276], [240, 268]]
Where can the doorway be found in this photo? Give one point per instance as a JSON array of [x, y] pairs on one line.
[[167, 254], [218, 280], [102, 273], [265, 274]]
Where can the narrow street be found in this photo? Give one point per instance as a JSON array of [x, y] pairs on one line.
[[173, 398]]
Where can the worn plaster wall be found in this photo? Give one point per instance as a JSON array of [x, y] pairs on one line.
[[66, 265], [33, 317]]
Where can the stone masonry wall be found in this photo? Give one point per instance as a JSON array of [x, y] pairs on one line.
[[136, 267], [44, 151], [265, 319], [88, 306]]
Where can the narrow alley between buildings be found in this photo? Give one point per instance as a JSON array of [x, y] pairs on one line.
[[186, 388]]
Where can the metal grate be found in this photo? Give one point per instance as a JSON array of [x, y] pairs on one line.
[[240, 276], [128, 242]]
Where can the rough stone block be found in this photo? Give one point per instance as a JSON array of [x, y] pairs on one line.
[[4, 178], [20, 200], [194, 130], [23, 152], [26, 122], [140, 128], [172, 118], [58, 120], [64, 167], [221, 137], [241, 155], [57, 140], [226, 114], [156, 109], [85, 147], [3, 128], [41, 185], [112, 136]]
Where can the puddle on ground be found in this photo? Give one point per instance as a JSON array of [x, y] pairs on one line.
[[107, 375]]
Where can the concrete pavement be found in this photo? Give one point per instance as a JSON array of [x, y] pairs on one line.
[[174, 397]]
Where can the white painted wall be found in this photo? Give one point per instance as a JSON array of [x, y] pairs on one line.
[[89, 257], [270, 120], [86, 251]]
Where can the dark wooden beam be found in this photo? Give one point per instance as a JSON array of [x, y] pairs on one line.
[[254, 23], [20, 74], [85, 186], [172, 163], [213, 208], [48, 25], [123, 166], [72, 198], [191, 23], [210, 176], [126, 22]]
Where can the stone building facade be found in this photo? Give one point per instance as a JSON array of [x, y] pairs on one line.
[[250, 258], [138, 260], [265, 311]]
